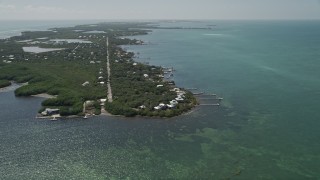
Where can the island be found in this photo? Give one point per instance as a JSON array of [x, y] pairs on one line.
[[83, 70]]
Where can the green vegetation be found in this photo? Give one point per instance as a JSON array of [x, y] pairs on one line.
[[4, 83], [63, 79], [132, 89], [63, 73]]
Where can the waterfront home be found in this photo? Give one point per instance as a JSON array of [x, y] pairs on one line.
[[181, 93], [50, 112], [170, 106], [175, 102], [176, 89], [142, 107], [161, 106], [159, 85], [146, 75], [179, 99], [180, 96]]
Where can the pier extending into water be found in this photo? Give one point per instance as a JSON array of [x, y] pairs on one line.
[[206, 99], [217, 104]]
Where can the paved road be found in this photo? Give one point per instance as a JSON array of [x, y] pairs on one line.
[[109, 74]]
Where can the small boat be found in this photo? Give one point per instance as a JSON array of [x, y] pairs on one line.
[[54, 119], [85, 117]]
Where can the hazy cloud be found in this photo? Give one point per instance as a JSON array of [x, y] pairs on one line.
[[7, 7], [160, 9], [44, 9]]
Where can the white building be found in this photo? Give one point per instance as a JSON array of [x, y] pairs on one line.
[[85, 83]]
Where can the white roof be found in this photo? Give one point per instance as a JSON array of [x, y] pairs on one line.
[[179, 99], [173, 102], [85, 83]]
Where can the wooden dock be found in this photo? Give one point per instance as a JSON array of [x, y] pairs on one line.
[[217, 104], [199, 93], [219, 99]]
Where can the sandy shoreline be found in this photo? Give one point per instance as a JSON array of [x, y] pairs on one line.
[[12, 87], [44, 95]]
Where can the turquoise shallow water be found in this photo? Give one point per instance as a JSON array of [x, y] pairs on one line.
[[267, 73]]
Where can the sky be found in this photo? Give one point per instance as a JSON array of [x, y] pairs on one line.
[[158, 9]]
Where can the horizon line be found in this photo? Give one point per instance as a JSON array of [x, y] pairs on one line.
[[166, 19]]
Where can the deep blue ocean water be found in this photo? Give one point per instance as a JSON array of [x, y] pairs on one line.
[[266, 71]]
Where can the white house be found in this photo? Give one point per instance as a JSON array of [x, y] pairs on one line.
[[176, 89], [103, 100], [171, 106], [174, 102], [49, 112], [179, 99], [157, 108], [85, 83]]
